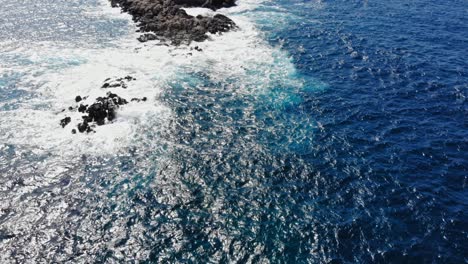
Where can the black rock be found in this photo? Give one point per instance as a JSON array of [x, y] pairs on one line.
[[168, 21], [83, 127], [146, 37], [65, 121], [111, 114], [111, 85], [138, 99], [82, 108], [105, 107], [102, 110], [111, 95], [97, 113], [212, 4], [117, 99], [87, 119], [120, 82]]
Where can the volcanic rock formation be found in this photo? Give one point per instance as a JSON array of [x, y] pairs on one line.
[[103, 110], [167, 20]]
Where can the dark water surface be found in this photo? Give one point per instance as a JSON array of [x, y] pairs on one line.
[[358, 155]]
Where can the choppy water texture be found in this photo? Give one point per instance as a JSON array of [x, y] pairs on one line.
[[320, 132]]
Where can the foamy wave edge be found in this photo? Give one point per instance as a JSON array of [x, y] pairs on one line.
[[155, 66]]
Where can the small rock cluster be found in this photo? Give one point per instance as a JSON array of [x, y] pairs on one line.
[[103, 110], [120, 82], [167, 20]]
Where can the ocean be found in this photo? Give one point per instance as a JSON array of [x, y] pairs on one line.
[[321, 131]]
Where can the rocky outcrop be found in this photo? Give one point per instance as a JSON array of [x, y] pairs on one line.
[[102, 111], [64, 122], [167, 20], [120, 82], [211, 4]]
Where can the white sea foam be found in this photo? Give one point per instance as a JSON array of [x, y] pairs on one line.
[[195, 11], [58, 75], [35, 123]]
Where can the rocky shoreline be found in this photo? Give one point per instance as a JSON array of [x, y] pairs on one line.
[[157, 19], [166, 20]]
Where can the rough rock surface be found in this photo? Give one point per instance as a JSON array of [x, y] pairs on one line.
[[103, 110], [167, 20], [212, 4], [64, 122], [120, 82]]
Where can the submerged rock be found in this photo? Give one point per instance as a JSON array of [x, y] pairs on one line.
[[120, 82], [82, 108], [84, 127], [146, 37], [65, 121], [139, 99]]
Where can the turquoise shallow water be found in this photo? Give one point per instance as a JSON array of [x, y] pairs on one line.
[[320, 132]]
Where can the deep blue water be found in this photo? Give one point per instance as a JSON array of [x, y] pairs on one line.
[[392, 154], [366, 161]]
